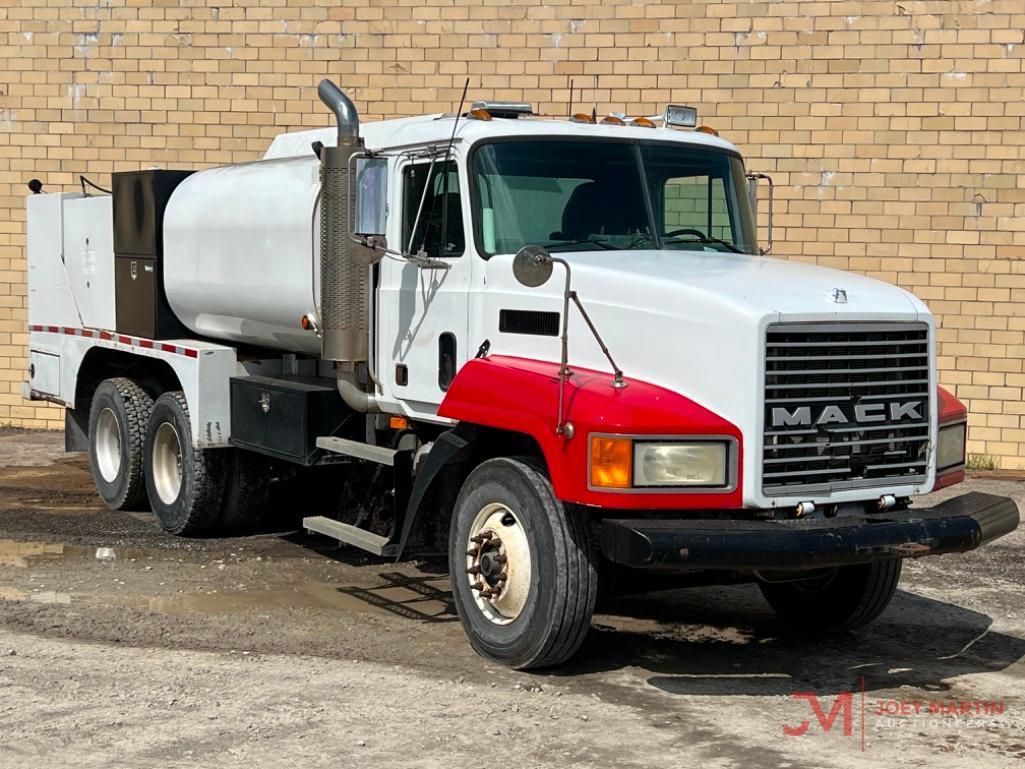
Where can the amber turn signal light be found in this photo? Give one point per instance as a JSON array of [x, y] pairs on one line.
[[611, 462]]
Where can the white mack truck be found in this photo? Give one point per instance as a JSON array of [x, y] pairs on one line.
[[551, 348]]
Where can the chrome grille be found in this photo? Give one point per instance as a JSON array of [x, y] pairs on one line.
[[846, 405]]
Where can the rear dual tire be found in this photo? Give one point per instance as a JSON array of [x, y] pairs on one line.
[[118, 416], [185, 485]]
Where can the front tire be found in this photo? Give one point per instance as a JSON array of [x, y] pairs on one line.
[[185, 485], [118, 415], [522, 563], [845, 598]]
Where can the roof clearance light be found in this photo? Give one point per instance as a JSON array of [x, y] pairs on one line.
[[582, 117], [479, 114], [643, 122], [707, 129], [684, 117], [504, 109], [612, 120]]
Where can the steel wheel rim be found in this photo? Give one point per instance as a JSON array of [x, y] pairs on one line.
[[496, 532], [167, 463], [108, 445]]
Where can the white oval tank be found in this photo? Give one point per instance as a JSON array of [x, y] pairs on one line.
[[241, 260]]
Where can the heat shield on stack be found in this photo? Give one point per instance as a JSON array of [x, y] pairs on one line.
[[343, 278]]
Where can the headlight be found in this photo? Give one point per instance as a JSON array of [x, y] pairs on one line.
[[680, 464], [623, 463], [950, 446]]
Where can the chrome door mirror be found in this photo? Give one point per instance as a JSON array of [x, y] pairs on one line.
[[371, 197], [752, 193]]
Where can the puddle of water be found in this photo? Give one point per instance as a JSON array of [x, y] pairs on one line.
[[387, 599], [17, 553], [226, 602], [46, 596]]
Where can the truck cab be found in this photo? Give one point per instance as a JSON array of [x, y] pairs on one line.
[[550, 348]]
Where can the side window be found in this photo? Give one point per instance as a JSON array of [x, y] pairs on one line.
[[440, 228], [697, 203]]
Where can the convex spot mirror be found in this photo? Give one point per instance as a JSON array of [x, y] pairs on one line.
[[532, 266]]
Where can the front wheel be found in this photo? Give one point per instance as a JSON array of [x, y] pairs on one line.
[[523, 573], [844, 598]]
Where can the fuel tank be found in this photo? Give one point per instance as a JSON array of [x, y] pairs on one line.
[[241, 256]]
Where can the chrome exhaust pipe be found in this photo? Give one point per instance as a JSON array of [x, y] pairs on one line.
[[344, 278], [341, 105]]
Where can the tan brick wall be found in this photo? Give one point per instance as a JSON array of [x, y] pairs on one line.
[[893, 129]]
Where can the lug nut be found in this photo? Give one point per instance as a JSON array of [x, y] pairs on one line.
[[474, 552], [473, 570]]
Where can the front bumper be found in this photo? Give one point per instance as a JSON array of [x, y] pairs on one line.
[[954, 526]]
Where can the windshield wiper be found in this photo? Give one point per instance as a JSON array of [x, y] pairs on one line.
[[705, 239], [603, 244]]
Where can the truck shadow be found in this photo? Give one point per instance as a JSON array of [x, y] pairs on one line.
[[419, 598], [691, 643]]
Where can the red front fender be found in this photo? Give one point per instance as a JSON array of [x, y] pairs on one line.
[[522, 395]]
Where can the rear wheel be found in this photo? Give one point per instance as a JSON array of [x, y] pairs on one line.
[[844, 598], [185, 485], [247, 487], [118, 415], [523, 574]]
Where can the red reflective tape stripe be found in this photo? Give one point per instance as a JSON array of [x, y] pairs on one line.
[[147, 344]]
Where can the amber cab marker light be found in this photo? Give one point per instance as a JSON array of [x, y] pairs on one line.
[[643, 122], [611, 462], [398, 423], [582, 117], [479, 114], [706, 129], [613, 120]]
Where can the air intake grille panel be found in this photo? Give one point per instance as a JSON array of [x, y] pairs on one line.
[[846, 406]]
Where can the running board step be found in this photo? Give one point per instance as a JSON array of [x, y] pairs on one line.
[[379, 454], [350, 535]]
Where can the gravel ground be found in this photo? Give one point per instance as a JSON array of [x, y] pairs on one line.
[[279, 647]]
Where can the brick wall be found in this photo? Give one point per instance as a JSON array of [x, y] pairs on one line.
[[893, 129]]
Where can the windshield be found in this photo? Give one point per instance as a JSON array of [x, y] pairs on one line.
[[586, 195]]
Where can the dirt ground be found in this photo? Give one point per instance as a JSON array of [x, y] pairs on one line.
[[120, 646]]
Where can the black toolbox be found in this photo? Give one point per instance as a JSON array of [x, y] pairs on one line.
[[283, 416], [139, 201]]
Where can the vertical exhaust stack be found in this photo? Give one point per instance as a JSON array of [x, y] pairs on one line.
[[343, 280], [344, 308]]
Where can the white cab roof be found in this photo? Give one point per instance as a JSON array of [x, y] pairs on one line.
[[384, 135]]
